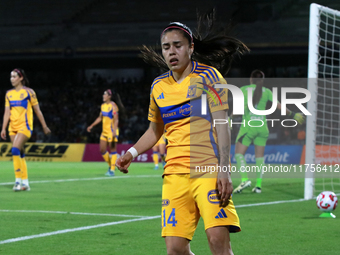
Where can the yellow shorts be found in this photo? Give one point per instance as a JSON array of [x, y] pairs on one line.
[[25, 131], [109, 136], [185, 200]]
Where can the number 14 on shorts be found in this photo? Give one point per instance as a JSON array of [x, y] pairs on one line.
[[171, 218]]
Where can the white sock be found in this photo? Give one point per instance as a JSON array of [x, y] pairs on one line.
[[25, 182], [17, 180]]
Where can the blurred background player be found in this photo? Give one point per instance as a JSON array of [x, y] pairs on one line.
[[19, 102], [159, 149], [109, 136], [256, 135]]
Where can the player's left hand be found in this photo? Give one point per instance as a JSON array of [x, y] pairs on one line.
[[46, 130], [225, 187], [229, 123], [300, 118]]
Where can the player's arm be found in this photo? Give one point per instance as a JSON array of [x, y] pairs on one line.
[[220, 111], [96, 122], [150, 137], [115, 123], [146, 142], [116, 118], [299, 117], [5, 122], [41, 118], [224, 182]]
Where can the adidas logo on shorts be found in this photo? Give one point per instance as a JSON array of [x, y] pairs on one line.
[[221, 214]]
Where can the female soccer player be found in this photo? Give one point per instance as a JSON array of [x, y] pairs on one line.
[[109, 135], [174, 97], [19, 102], [257, 135]]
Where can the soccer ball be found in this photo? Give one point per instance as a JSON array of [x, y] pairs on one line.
[[326, 201]]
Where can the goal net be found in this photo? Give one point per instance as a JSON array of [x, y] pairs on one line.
[[323, 127]]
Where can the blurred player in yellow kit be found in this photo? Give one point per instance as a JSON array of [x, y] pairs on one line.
[[175, 106], [19, 102], [159, 147], [109, 136]]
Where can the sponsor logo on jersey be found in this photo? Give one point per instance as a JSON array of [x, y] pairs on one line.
[[186, 109], [170, 114]]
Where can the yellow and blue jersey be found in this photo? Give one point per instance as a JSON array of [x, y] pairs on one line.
[[191, 137], [108, 110], [20, 103]]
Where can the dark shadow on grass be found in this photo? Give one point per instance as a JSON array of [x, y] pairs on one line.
[[315, 217], [115, 234]]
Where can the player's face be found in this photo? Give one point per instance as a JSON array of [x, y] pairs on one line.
[[106, 97], [176, 50], [15, 79]]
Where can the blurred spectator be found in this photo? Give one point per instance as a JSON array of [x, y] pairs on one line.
[[287, 137], [301, 135]]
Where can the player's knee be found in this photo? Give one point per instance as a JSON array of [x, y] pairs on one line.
[[177, 250], [177, 247], [219, 245], [15, 151]]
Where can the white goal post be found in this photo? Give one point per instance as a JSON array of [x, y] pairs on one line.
[[323, 84]]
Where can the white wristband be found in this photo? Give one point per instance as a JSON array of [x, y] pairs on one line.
[[133, 152]]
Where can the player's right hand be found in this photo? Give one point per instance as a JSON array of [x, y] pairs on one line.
[[124, 162], [300, 118], [224, 187], [46, 130], [3, 134], [89, 129]]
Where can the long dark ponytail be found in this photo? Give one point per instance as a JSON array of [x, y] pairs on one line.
[[257, 77], [116, 98], [212, 44]]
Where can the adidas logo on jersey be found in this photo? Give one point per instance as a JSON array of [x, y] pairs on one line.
[[221, 214], [161, 96]]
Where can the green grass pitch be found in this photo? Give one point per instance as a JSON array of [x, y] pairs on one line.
[[73, 208]]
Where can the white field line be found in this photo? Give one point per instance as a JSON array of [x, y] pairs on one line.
[[13, 240], [271, 203], [111, 223], [75, 213], [88, 179], [139, 216]]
